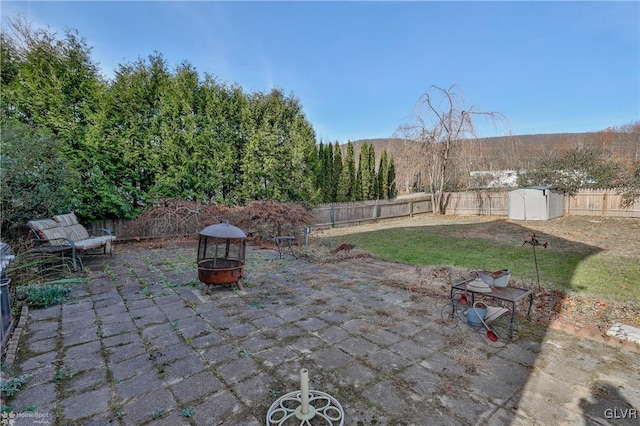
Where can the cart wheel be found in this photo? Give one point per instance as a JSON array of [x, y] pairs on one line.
[[449, 316], [502, 327]]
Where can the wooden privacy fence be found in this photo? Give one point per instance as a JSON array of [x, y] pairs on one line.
[[476, 203], [591, 202], [587, 202], [599, 202], [352, 213]]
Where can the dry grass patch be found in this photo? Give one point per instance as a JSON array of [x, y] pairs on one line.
[[467, 357]]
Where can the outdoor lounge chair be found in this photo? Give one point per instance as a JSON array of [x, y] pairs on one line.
[[64, 234]]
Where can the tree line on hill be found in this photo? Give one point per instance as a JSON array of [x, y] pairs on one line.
[[107, 148]]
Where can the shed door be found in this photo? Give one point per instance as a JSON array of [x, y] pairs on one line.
[[536, 207], [516, 205]]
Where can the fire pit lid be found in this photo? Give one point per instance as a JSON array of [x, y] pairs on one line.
[[223, 230]]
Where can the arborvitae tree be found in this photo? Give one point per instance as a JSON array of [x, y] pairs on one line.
[[126, 138], [263, 152], [239, 108], [373, 180], [325, 177], [299, 162], [149, 133], [220, 113], [53, 85], [363, 172], [347, 184], [357, 189], [383, 177], [276, 160], [187, 167], [320, 171], [363, 179], [337, 171], [393, 192], [328, 187]]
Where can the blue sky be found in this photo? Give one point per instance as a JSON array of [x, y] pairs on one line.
[[358, 68]]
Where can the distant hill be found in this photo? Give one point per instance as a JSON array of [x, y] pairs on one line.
[[526, 149]]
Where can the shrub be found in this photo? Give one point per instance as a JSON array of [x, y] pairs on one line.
[[268, 218], [36, 179], [172, 217]]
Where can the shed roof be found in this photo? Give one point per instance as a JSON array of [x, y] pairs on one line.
[[539, 188]]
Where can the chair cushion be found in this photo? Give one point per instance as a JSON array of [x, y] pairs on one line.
[[94, 242], [66, 219], [76, 232], [41, 224], [90, 243], [46, 229]]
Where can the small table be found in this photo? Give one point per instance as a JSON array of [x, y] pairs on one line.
[[284, 240], [508, 294]]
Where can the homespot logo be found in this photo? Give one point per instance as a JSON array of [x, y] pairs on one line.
[[621, 413], [11, 418]]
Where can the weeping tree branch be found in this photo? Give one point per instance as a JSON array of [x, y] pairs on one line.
[[444, 125]]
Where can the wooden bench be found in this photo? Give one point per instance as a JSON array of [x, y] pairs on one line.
[[63, 234]]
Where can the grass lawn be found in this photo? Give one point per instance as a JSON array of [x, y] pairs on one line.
[[567, 264]]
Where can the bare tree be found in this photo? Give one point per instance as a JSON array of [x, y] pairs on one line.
[[629, 141], [631, 138], [409, 172], [445, 127]]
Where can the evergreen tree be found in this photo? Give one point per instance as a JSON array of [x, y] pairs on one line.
[[393, 192], [383, 177], [150, 133], [337, 171], [321, 172], [127, 141], [52, 85], [363, 179], [220, 114], [346, 189], [327, 188], [373, 180], [277, 160], [187, 168]]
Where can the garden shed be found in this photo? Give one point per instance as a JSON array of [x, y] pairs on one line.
[[535, 203]]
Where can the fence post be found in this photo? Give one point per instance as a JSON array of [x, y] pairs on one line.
[[333, 217], [604, 204], [307, 231], [410, 208]]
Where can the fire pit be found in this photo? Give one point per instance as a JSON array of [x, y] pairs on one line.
[[221, 254]]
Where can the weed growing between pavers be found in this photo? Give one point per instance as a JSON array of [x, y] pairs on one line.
[[62, 374], [187, 412], [156, 413], [12, 386], [44, 295]]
